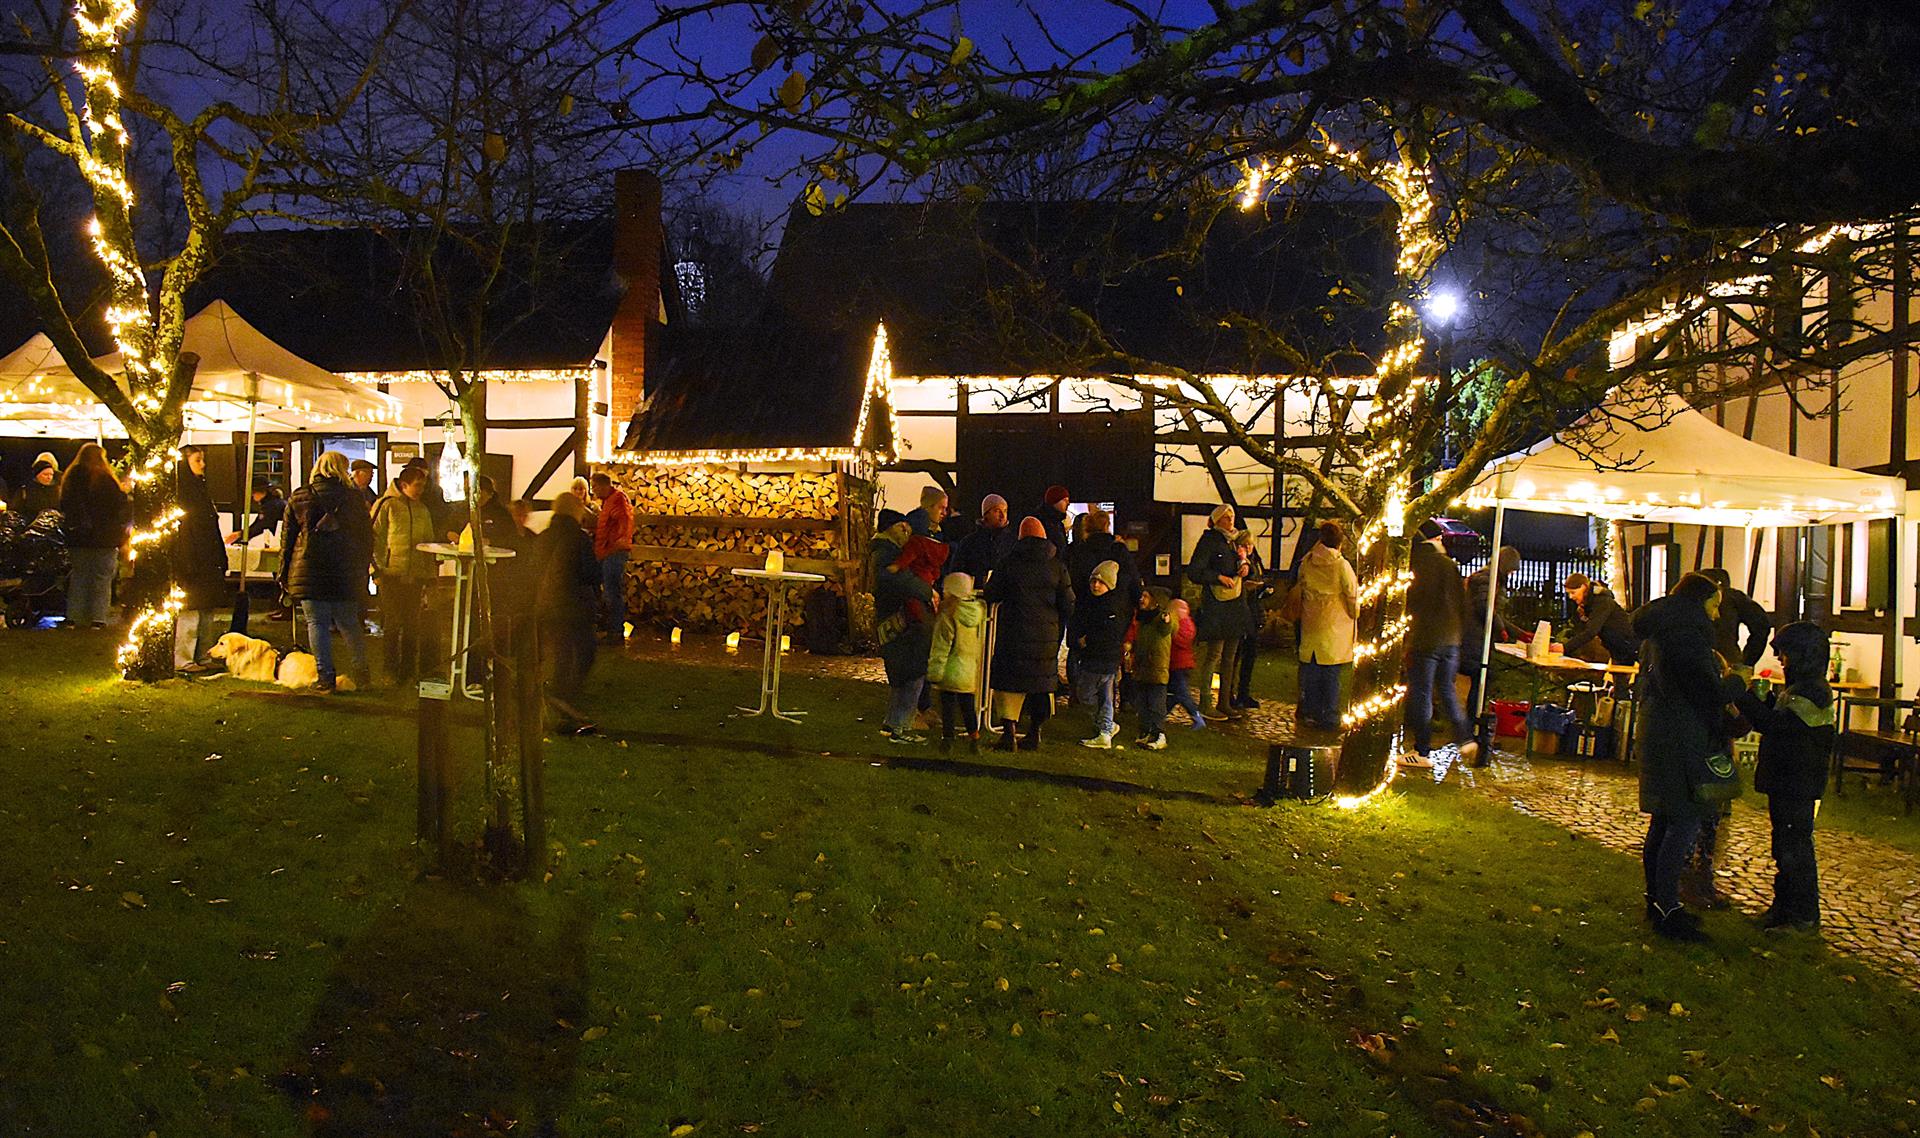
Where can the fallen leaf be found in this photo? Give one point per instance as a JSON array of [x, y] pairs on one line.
[[593, 1033], [1677, 1009], [1833, 1081], [1340, 898], [133, 900], [682, 1130]]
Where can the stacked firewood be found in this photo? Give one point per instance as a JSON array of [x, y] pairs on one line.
[[723, 492]]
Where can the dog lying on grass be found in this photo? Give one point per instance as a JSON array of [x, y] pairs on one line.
[[246, 657]]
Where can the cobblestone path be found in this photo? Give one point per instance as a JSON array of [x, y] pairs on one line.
[[1869, 891]]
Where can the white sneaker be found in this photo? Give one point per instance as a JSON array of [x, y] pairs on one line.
[[1420, 762], [1157, 743], [1100, 742]]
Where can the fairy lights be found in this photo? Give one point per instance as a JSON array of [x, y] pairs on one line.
[[502, 375], [151, 620]]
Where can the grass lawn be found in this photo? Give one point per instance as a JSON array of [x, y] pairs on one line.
[[214, 926]]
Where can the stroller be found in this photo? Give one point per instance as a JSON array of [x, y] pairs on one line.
[[33, 566]]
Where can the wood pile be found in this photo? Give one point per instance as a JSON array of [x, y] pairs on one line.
[[680, 573]]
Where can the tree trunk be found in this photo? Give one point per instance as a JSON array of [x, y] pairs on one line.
[[1374, 714], [151, 596]]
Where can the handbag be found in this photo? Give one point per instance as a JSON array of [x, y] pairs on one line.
[[1713, 779]]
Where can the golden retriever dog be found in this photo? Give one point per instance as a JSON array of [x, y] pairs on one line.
[[246, 657], [298, 670]]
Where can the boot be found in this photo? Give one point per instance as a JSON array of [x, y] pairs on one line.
[[1677, 924], [1006, 737], [1032, 741]]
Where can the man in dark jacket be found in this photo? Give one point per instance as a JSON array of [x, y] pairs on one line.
[[42, 491], [269, 510], [982, 551], [566, 586], [1606, 634], [327, 557], [1683, 695], [1738, 611], [1036, 604], [1436, 613], [1053, 517], [1100, 545], [1796, 728], [1480, 587], [199, 562]]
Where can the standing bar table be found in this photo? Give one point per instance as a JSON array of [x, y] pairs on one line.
[[776, 622]]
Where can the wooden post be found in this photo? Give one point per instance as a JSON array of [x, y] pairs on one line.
[[430, 824], [533, 784]]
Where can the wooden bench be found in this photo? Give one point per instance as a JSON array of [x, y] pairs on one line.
[[1891, 754]]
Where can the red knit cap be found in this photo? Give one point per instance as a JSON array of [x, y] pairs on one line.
[[1030, 527], [1056, 494]]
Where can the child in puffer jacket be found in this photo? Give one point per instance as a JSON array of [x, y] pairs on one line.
[[1152, 655], [1180, 663], [953, 663]]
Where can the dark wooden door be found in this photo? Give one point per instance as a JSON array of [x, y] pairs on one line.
[[1097, 457]]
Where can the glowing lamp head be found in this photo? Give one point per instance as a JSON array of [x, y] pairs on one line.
[[1443, 306]]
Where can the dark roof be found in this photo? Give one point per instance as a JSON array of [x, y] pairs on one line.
[[336, 296], [983, 289], [766, 386]]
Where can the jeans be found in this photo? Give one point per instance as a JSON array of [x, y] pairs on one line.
[[1320, 694], [90, 584], [193, 635], [1430, 673], [1796, 879], [401, 622], [323, 619], [956, 707], [613, 586], [1153, 710], [906, 701], [1180, 691], [1096, 689], [1213, 658], [1670, 840]]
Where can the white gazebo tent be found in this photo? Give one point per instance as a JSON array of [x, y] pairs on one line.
[[1652, 458], [243, 374]]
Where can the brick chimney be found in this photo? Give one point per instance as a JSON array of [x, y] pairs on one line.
[[638, 240]]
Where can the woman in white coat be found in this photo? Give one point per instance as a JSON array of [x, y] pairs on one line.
[[1329, 616]]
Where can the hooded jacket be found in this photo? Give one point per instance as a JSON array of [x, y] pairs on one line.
[[1479, 587], [903, 609], [1087, 553], [1329, 607], [1682, 698], [1602, 619], [1036, 602], [1180, 651], [399, 525], [1436, 601], [1153, 640], [953, 663], [329, 544], [1102, 622]]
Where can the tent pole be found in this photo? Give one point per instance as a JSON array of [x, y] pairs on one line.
[[1493, 603], [246, 499], [1901, 565]]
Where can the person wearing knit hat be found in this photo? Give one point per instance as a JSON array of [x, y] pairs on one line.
[[1036, 604], [1222, 620], [1796, 725], [890, 534], [41, 493], [1053, 515], [982, 551], [1100, 635]]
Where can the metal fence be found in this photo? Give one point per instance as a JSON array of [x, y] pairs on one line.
[[1533, 591]]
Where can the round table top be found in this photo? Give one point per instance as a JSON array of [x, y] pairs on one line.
[[783, 575], [445, 549]]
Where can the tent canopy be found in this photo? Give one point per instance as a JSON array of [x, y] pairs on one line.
[[1652, 458], [231, 353]]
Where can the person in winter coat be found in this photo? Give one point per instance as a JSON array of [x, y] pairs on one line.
[[1329, 615], [1180, 663], [1053, 517], [1222, 620], [890, 535], [42, 491], [1480, 587], [982, 551], [1796, 726], [269, 509], [1436, 610], [1092, 544], [96, 515], [953, 663], [199, 563], [1738, 611], [402, 523], [329, 547], [566, 584], [1255, 591], [613, 544], [1152, 665], [1036, 604], [929, 517], [1102, 620], [1683, 697], [1606, 634], [903, 612]]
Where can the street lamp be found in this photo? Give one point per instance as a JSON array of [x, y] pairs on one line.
[[1443, 305]]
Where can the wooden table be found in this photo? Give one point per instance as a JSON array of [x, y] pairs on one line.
[[1566, 670], [1843, 692]]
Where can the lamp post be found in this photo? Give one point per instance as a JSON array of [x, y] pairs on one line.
[[1443, 307]]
